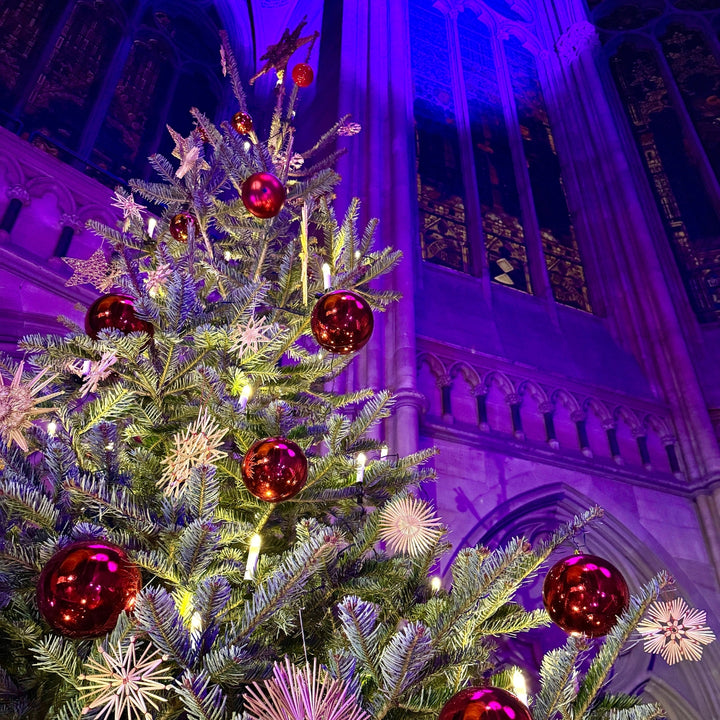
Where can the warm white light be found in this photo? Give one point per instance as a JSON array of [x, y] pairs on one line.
[[436, 583], [245, 395], [383, 452], [110, 446], [357, 254], [51, 428], [152, 224], [196, 622], [360, 464], [227, 256], [520, 686], [246, 146], [253, 554], [327, 280]]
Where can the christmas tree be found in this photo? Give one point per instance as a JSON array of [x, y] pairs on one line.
[[196, 524]]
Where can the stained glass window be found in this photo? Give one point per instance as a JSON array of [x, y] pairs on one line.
[[567, 277], [443, 234]]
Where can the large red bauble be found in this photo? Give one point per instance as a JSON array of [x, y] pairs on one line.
[[302, 75], [85, 586], [181, 225], [484, 703], [585, 595], [242, 122], [274, 469], [342, 322], [263, 195], [117, 312]]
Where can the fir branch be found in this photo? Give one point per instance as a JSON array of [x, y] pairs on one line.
[[359, 622], [558, 673], [30, 504], [602, 663], [158, 616], [201, 699], [198, 544], [58, 656]]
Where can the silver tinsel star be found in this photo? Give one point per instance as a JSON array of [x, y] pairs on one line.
[[198, 445], [675, 631], [95, 371], [301, 694], [123, 686], [95, 271], [409, 525], [126, 203], [19, 404], [188, 152]]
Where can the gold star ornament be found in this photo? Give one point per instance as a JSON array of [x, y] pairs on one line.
[[95, 271]]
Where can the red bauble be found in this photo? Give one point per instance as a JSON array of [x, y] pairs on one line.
[[342, 322], [242, 122], [85, 586], [181, 225], [117, 312], [274, 469], [263, 195], [585, 595], [302, 75], [484, 703]]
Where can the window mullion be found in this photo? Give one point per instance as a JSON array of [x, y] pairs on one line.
[[533, 240], [473, 220]]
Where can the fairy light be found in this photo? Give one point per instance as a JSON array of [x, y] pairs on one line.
[[253, 554], [51, 428], [152, 224], [435, 583], [227, 255], [357, 254], [245, 395], [196, 622], [360, 464], [326, 276], [246, 146], [383, 452], [520, 686]]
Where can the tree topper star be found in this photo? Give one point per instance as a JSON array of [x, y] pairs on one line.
[[188, 152], [277, 56], [95, 271]]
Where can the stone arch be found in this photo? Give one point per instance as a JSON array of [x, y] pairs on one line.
[[566, 413], [533, 421], [598, 418], [498, 387], [431, 370], [465, 381]]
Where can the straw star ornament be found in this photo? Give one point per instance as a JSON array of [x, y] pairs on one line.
[[675, 631], [95, 271], [249, 337], [409, 526]]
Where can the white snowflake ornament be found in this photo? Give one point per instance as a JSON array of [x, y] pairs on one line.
[[409, 526], [122, 686], [198, 445], [675, 631]]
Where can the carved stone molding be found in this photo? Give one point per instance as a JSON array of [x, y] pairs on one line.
[[72, 221], [575, 40], [18, 192]]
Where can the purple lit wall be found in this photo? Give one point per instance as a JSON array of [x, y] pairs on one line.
[[549, 169]]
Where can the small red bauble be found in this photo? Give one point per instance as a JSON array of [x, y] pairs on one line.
[[263, 195], [117, 312], [342, 322], [302, 75], [181, 225], [484, 703], [585, 595], [274, 469], [242, 123], [85, 586]]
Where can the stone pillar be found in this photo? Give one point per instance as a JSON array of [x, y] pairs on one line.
[[19, 198]]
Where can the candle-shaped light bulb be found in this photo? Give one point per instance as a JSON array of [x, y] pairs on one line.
[[152, 224], [360, 465], [253, 554], [51, 428], [435, 583], [245, 395], [196, 622], [383, 452], [520, 686], [327, 279]]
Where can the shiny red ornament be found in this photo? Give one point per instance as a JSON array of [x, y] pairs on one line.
[[263, 195], [484, 703], [274, 469], [181, 225], [242, 122], [342, 322], [117, 312], [85, 586], [585, 595], [302, 75]]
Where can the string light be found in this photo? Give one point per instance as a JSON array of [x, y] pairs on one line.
[[247, 146], [436, 583], [253, 554], [196, 622], [327, 280], [51, 428], [360, 464], [520, 686], [152, 224], [383, 452], [245, 395]]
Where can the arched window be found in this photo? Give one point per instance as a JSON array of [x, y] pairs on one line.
[[666, 67], [96, 81], [490, 189]]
